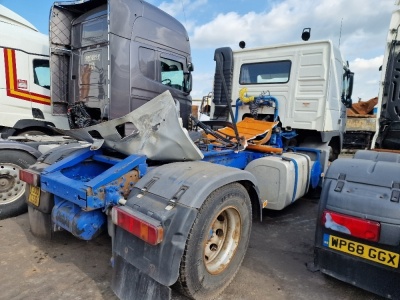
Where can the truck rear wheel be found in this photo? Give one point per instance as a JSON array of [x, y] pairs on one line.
[[12, 189], [217, 243]]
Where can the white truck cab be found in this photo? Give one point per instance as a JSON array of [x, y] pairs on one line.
[[25, 104], [310, 81]]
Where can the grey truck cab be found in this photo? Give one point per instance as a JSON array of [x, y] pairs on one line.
[[109, 59]]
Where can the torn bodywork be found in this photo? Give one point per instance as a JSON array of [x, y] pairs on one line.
[[155, 131]]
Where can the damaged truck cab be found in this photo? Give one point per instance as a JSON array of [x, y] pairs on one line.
[[178, 204], [166, 204], [107, 58]]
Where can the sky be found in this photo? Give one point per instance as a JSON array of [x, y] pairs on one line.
[[358, 28]]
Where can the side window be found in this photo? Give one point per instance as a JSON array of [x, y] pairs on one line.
[[94, 31], [345, 86], [171, 73], [41, 73], [265, 72]]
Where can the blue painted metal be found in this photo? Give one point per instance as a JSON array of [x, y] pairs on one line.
[[229, 158], [316, 169], [83, 181], [112, 196], [71, 160], [83, 224], [315, 174], [106, 159], [119, 170], [289, 134], [276, 140]]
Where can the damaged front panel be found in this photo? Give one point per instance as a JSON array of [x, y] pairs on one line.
[[155, 131]]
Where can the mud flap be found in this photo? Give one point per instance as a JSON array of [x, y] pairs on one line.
[[129, 282], [40, 223], [170, 194]]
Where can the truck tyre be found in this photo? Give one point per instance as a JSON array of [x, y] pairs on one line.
[[12, 189], [217, 243]]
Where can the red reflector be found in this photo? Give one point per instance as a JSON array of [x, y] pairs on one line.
[[29, 177], [357, 227], [149, 231]]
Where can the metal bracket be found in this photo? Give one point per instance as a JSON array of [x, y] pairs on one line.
[[176, 197]]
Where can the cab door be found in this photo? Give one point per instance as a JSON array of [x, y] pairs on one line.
[[16, 103]]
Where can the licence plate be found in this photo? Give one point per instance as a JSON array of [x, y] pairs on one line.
[[377, 255], [34, 195]]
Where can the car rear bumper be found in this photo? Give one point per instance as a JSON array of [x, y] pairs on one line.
[[372, 277]]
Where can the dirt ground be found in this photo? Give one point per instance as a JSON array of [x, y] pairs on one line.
[[68, 268]]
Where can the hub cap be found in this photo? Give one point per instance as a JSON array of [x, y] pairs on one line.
[[11, 187], [223, 240]]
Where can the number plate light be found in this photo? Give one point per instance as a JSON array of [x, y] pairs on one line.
[[357, 227]]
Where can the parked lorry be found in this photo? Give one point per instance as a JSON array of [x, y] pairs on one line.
[[129, 69], [360, 126], [24, 79], [358, 226], [177, 195], [25, 105], [307, 79]]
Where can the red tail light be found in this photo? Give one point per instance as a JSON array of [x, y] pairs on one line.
[[140, 225], [29, 177], [357, 227]]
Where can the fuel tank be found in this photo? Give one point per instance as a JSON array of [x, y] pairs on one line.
[[281, 179]]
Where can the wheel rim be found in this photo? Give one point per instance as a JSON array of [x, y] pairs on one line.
[[223, 240], [11, 187]]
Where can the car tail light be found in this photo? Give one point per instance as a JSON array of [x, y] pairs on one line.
[[148, 230], [29, 177], [357, 227]]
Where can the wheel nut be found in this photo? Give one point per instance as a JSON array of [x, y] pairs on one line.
[[213, 247]]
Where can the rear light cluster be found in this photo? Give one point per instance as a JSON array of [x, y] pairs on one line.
[[29, 177], [357, 227], [131, 221]]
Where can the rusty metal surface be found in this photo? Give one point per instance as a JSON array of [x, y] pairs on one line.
[[361, 124], [362, 107], [127, 181]]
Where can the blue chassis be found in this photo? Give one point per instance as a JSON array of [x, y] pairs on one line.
[[87, 182]]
